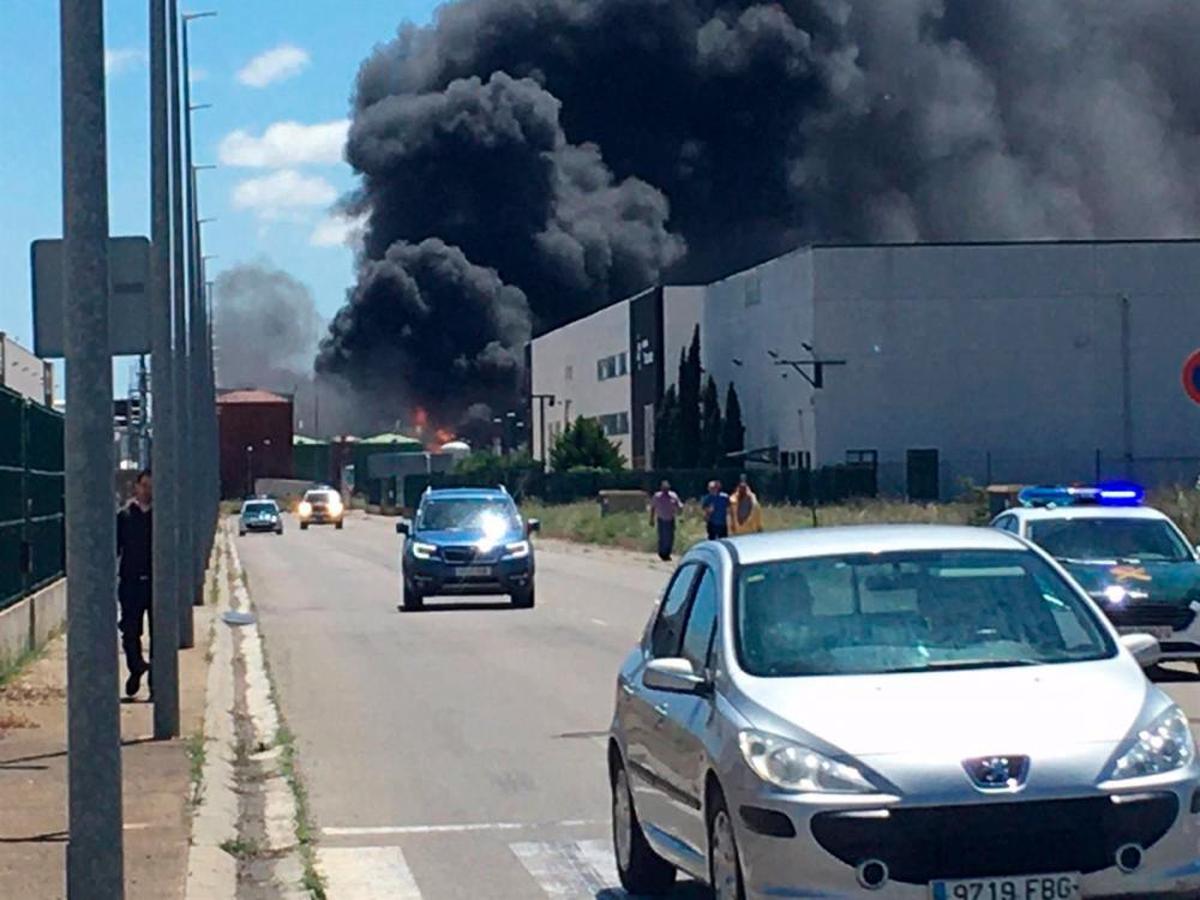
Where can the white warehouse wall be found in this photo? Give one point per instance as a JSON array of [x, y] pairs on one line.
[[564, 364]]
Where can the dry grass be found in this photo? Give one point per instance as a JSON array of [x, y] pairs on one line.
[[583, 523]]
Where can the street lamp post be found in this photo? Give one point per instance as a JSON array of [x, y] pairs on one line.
[[249, 470]]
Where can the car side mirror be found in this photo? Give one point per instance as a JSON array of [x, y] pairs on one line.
[[533, 525], [1144, 647], [676, 675], [403, 526]]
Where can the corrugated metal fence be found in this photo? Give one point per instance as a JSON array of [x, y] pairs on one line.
[[31, 497]]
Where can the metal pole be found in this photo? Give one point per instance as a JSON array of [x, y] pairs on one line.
[[164, 621], [1126, 389], [185, 511], [95, 848]]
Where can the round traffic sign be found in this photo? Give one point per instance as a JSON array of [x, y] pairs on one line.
[[1191, 376]]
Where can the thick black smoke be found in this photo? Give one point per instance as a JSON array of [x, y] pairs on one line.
[[577, 147]]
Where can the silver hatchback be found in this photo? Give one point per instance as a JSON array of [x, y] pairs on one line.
[[910, 712]]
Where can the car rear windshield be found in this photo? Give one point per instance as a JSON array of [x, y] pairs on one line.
[[463, 514], [910, 612], [1137, 540], [256, 508]]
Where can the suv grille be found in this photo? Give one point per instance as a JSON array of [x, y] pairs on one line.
[[992, 840], [458, 555]]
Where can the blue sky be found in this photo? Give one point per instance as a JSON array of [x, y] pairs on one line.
[[260, 63]]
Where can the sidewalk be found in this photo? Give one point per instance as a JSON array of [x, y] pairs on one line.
[[33, 781]]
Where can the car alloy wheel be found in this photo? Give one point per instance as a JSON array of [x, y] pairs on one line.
[[724, 867]]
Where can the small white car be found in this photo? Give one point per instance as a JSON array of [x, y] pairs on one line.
[[1131, 559]]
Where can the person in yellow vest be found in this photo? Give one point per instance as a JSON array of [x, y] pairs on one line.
[[745, 512]]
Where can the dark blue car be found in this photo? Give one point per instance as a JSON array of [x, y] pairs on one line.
[[467, 541]]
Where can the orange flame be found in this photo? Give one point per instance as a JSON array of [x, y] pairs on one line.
[[420, 419], [444, 435]]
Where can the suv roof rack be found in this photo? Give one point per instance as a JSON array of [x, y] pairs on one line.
[[503, 489]]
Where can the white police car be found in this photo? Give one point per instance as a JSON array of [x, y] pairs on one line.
[[1132, 559]]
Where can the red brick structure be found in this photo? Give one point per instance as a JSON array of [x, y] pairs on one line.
[[256, 439]]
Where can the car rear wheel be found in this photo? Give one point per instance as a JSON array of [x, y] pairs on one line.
[[523, 600], [724, 864], [241, 532], [304, 526], [642, 871], [339, 524], [412, 600]]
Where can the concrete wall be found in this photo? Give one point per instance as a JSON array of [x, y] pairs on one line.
[[564, 364], [1008, 358], [683, 309], [30, 624]]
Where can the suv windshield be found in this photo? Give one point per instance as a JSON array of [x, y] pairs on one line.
[[255, 509], [1132, 539], [319, 497], [910, 611], [467, 515]]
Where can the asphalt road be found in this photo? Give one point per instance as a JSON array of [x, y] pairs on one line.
[[457, 752]]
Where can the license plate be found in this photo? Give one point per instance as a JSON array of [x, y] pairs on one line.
[[1020, 887], [1162, 632], [473, 571]]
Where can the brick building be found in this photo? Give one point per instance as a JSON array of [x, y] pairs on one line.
[[255, 438]]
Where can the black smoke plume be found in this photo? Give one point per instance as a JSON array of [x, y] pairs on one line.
[[582, 149]]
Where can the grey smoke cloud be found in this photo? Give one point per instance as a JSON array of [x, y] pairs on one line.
[[582, 150]]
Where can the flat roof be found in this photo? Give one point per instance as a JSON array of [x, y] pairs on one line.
[[251, 395]]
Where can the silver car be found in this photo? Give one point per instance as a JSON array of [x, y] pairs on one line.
[[911, 712]]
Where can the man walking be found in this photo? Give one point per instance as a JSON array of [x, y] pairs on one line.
[[134, 535], [664, 507], [716, 511], [745, 512]]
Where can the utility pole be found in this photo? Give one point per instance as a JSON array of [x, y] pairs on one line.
[[202, 501], [185, 431], [164, 619], [95, 848]]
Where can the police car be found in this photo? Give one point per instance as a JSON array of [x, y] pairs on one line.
[[1133, 560]]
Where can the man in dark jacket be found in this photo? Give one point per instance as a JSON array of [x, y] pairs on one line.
[[134, 554]]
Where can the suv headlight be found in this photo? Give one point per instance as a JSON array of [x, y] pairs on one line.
[[516, 550], [304, 509], [424, 551], [1166, 744], [794, 767]]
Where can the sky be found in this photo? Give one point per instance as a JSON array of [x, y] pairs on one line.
[[278, 73]]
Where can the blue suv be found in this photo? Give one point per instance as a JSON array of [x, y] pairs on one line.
[[467, 541]]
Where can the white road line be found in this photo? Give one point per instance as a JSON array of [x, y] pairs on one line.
[[454, 829], [571, 869], [367, 873]]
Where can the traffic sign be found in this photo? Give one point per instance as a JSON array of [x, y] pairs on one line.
[[1191, 376]]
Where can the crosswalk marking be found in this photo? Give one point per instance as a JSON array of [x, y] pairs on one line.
[[367, 873], [570, 869]]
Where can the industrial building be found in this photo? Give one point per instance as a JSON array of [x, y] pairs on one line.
[[255, 439], [938, 363]]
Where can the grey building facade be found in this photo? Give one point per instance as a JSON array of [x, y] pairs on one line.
[[1003, 362]]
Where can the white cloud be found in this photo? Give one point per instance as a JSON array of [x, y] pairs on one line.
[[282, 194], [278, 64], [338, 230], [286, 144], [122, 59]]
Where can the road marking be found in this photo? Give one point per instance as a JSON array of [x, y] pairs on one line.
[[367, 873], [456, 829], [570, 869], [600, 622]]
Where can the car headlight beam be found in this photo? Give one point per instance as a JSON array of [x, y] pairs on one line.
[[304, 509], [424, 551], [794, 767], [1165, 745]]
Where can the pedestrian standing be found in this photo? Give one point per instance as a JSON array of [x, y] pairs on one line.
[[664, 507], [134, 555], [745, 512], [716, 511]]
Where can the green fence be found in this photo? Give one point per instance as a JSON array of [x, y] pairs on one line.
[[831, 484], [31, 497]]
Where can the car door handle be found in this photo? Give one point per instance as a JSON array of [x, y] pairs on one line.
[[662, 709], [627, 689]]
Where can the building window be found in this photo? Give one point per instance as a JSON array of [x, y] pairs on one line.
[[614, 423], [753, 290], [612, 366], [862, 457], [569, 374]]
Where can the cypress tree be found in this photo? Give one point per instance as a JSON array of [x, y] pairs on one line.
[[733, 432], [689, 404], [710, 425]]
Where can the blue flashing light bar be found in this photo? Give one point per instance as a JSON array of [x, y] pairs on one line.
[[1113, 493]]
